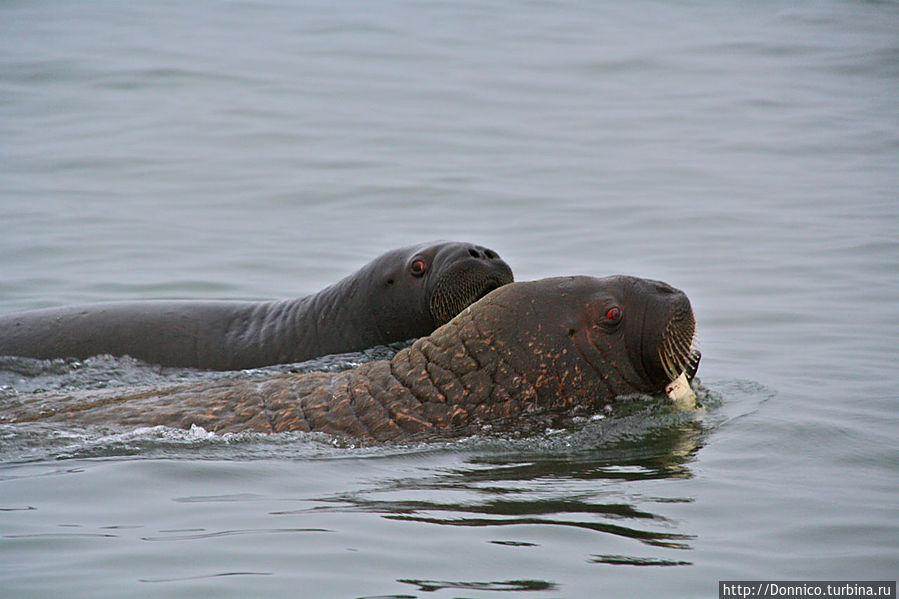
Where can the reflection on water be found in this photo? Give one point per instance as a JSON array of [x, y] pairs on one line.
[[231, 533], [624, 560], [508, 585], [547, 483], [201, 577]]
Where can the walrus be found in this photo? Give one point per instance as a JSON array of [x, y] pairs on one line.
[[403, 294], [548, 347]]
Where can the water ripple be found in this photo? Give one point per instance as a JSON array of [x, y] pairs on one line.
[[229, 533], [203, 576], [430, 586]]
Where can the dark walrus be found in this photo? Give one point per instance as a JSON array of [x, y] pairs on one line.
[[405, 293], [535, 348]]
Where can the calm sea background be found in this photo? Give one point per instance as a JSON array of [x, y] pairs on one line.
[[745, 152]]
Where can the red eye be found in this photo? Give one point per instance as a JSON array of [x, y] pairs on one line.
[[614, 314], [418, 267]]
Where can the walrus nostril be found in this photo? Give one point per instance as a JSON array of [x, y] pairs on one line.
[[491, 254], [473, 253]]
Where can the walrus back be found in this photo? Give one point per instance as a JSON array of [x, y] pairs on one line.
[[163, 332]]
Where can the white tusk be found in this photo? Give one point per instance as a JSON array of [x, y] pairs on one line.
[[681, 393]]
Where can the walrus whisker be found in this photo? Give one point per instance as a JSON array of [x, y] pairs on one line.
[[693, 364], [677, 353], [454, 292], [670, 364], [683, 353]]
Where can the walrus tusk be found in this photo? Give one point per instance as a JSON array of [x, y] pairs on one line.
[[681, 393]]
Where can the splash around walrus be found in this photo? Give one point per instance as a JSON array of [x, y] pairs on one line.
[[553, 346], [403, 294]]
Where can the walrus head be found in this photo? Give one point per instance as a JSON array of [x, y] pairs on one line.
[[568, 341], [425, 286]]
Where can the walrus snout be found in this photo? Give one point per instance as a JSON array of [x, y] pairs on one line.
[[666, 331], [496, 274], [676, 352], [469, 279]]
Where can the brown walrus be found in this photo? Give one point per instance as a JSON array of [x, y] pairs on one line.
[[405, 293], [526, 349]]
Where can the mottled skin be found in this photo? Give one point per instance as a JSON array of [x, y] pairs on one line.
[[403, 294], [526, 349]]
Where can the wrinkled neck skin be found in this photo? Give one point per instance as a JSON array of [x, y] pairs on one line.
[[342, 317]]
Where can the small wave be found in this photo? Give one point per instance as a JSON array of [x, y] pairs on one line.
[[646, 425], [22, 376], [38, 442]]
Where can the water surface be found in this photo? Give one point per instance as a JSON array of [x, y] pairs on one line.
[[744, 152]]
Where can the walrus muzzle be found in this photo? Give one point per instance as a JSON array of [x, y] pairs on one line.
[[461, 286]]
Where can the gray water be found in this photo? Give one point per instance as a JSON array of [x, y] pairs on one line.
[[744, 152]]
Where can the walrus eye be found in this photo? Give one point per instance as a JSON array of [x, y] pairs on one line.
[[614, 314], [418, 268]]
